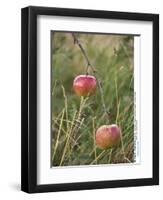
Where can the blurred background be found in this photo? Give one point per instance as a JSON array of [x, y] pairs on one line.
[[73, 125]]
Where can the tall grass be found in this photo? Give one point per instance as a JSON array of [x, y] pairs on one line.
[[76, 119]]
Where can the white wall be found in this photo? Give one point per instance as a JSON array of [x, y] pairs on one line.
[[10, 80]]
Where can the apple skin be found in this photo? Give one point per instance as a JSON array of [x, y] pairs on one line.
[[85, 85], [108, 136]]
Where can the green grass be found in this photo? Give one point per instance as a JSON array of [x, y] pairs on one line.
[[76, 119]]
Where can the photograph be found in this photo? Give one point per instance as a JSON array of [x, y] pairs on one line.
[[92, 99]]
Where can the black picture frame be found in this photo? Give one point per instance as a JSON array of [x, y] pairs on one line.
[[29, 98]]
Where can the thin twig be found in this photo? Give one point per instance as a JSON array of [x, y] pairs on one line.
[[118, 105], [102, 99], [76, 41], [94, 136]]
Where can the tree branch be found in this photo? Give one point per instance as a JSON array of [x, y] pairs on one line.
[[76, 41]]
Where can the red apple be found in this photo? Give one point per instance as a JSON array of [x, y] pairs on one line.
[[85, 85], [108, 136]]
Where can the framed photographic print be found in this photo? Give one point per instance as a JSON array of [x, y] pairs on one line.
[[90, 99]]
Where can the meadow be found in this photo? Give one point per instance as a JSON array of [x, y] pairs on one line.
[[74, 119]]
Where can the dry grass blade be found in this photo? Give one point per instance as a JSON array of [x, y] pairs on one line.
[[67, 139], [98, 157], [58, 135], [66, 105]]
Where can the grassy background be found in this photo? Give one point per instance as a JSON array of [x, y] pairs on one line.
[[74, 119]]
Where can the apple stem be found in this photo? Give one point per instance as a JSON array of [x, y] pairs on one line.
[[76, 41], [87, 70]]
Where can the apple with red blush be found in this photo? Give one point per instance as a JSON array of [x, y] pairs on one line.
[[108, 136], [85, 85]]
